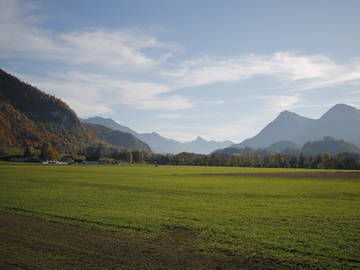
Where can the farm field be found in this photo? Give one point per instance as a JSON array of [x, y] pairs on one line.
[[178, 217]]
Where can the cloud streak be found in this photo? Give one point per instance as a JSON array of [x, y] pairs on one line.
[[94, 94], [282, 66], [22, 37]]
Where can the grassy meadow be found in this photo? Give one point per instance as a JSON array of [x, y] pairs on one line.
[[310, 222]]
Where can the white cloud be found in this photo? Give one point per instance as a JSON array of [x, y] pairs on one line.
[[344, 75], [278, 103], [283, 66], [96, 94], [118, 51], [107, 48], [22, 37]]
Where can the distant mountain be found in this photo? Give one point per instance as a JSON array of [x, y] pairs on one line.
[[160, 144], [329, 145], [284, 128], [202, 146], [30, 117], [118, 138], [109, 123], [341, 122], [156, 142]]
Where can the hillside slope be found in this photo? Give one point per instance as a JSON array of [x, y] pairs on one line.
[[30, 117], [35, 104], [118, 138], [109, 123]]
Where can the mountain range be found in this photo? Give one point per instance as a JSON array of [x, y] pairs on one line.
[[340, 122], [30, 117], [160, 144]]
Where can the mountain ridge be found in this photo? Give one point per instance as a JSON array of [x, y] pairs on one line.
[[341, 122], [163, 145]]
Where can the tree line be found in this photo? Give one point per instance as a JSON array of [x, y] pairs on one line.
[[273, 160], [98, 152]]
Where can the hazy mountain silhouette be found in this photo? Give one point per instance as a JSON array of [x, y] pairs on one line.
[[160, 144], [118, 138], [341, 122], [202, 146], [109, 123], [284, 128]]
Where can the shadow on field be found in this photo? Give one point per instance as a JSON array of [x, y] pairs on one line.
[[32, 243]]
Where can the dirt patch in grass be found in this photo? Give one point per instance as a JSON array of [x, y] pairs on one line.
[[320, 174], [32, 243]]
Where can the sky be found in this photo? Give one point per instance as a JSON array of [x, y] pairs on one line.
[[221, 70]]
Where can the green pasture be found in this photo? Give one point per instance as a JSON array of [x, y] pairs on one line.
[[314, 222]]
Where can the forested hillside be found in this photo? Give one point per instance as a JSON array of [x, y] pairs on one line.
[[32, 118]]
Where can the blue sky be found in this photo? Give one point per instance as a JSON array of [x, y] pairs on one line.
[[218, 69]]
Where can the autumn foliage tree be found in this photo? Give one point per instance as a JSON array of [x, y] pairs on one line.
[[48, 152]]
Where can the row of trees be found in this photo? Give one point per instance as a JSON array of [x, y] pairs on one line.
[[273, 160]]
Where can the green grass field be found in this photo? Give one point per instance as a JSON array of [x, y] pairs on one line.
[[311, 222]]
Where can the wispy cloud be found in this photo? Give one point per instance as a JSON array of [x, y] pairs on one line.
[[345, 74], [283, 66], [99, 94], [277, 103], [22, 37], [115, 53]]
